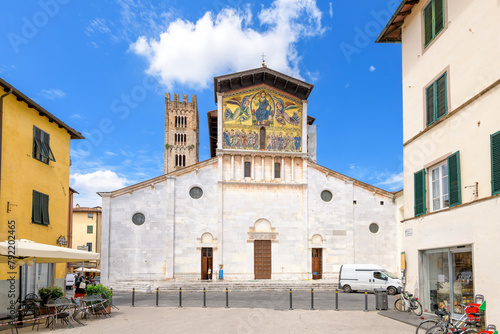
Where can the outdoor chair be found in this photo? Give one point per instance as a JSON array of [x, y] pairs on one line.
[[30, 308], [77, 310], [97, 305], [62, 307]]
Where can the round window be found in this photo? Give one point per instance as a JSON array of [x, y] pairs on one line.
[[196, 192], [138, 219], [374, 228], [326, 195]]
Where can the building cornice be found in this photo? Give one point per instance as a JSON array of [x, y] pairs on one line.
[[452, 208]]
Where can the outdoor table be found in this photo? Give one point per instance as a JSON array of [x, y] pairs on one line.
[[61, 309]]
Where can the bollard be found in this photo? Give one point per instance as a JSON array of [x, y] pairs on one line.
[[227, 298], [291, 308], [312, 299], [180, 297], [336, 299], [133, 296], [157, 292], [366, 301], [204, 298]]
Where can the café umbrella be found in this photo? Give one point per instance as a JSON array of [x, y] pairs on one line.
[[24, 251]]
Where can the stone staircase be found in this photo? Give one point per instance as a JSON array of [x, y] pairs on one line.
[[255, 285]]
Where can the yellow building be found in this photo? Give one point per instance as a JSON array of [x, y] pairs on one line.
[[34, 184], [86, 231]]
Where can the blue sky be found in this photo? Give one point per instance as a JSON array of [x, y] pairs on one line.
[[104, 66]]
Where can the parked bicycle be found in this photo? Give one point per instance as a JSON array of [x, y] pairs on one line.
[[408, 303], [466, 324]]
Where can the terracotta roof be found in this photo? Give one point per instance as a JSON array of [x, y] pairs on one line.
[[41, 111], [262, 75], [392, 31], [87, 209]]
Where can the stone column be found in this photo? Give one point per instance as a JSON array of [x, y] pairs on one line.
[[272, 168], [253, 167], [263, 159], [232, 167], [242, 167]]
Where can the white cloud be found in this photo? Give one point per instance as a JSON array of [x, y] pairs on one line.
[[393, 181], [192, 53], [110, 153], [87, 185], [372, 68], [52, 94], [331, 10]]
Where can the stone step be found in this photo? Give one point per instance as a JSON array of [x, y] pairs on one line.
[[221, 286]]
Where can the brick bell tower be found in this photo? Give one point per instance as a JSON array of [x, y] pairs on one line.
[[181, 132]]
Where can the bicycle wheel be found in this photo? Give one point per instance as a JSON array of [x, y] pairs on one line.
[[425, 325], [400, 305], [438, 329], [416, 307]]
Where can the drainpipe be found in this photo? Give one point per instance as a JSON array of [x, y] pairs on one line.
[[1, 130]]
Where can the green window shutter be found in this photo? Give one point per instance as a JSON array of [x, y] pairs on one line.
[[441, 100], [428, 23], [36, 212], [44, 203], [495, 163], [454, 191], [419, 184], [46, 143], [438, 16], [429, 97]]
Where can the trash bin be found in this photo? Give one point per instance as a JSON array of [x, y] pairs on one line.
[[380, 299]]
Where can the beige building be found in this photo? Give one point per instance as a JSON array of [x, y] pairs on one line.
[[86, 229], [451, 140]]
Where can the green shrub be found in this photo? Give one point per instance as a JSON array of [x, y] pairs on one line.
[[50, 292], [101, 291]]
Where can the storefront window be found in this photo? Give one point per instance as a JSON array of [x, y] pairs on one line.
[[447, 278]]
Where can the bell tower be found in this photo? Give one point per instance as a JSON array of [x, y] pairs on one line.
[[181, 132]]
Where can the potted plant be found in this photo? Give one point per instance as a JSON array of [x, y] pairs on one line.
[[50, 292], [101, 291]]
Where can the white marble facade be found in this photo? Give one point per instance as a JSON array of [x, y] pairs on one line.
[[234, 211]]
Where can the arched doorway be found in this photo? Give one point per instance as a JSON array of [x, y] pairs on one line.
[[262, 249], [206, 257], [317, 256]]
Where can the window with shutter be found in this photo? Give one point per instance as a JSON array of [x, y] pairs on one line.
[[419, 184], [40, 208], [436, 99], [495, 163], [434, 20], [455, 191], [41, 146]]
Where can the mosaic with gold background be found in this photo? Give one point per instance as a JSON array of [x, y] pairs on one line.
[[245, 113]]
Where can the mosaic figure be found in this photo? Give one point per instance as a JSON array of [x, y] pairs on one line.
[[282, 117], [242, 111]]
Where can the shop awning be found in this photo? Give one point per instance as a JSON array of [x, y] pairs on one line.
[[87, 270], [27, 250]]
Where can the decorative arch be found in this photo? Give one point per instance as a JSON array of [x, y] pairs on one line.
[[262, 225], [317, 239], [207, 238], [262, 230]]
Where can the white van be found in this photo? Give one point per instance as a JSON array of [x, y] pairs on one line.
[[367, 277], [70, 280]]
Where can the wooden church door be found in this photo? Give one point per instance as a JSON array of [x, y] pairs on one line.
[[262, 259], [317, 263], [206, 263]]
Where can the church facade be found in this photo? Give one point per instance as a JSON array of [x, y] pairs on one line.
[[259, 208]]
